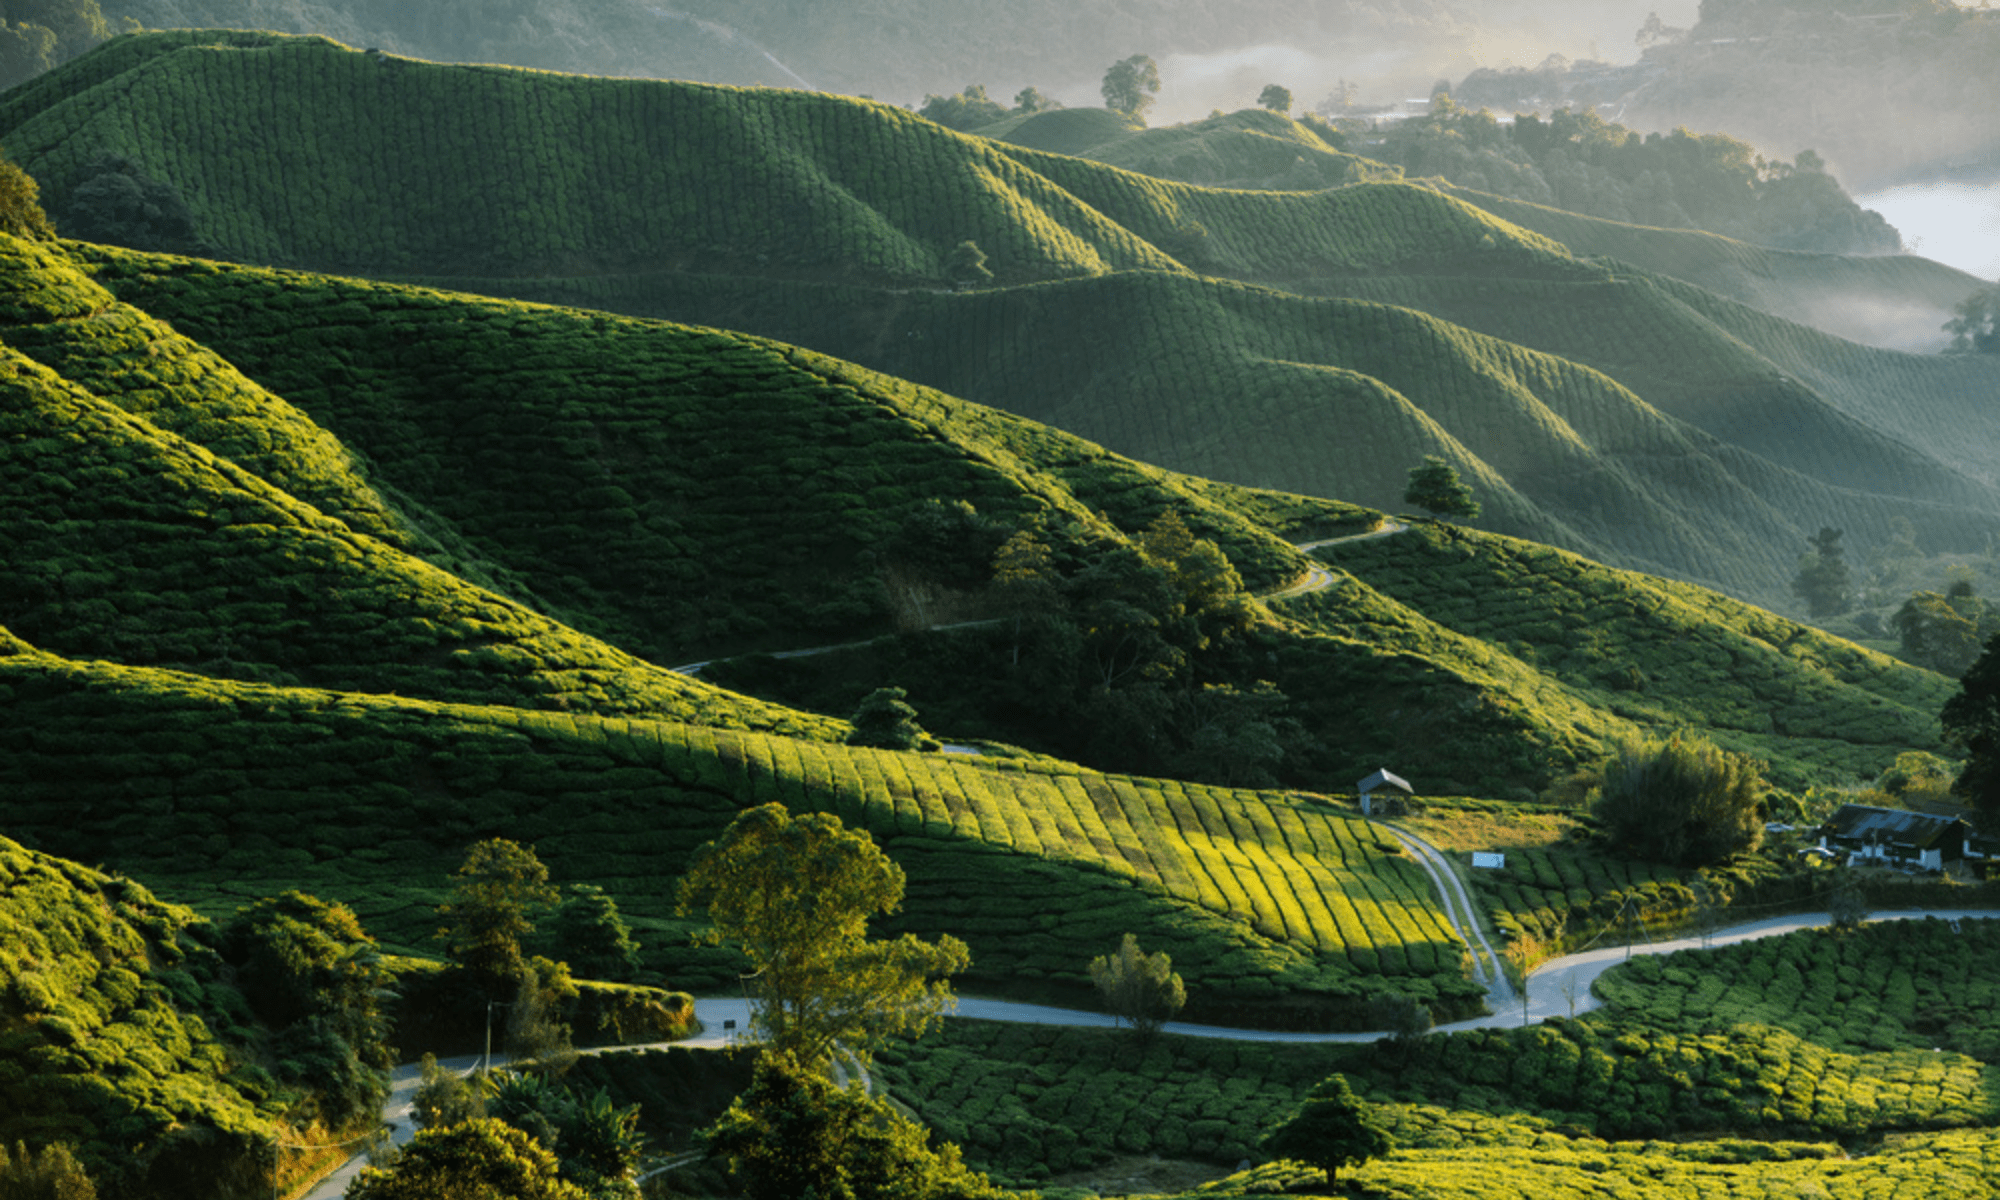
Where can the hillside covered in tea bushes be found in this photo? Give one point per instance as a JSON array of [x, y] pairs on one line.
[[1313, 341]]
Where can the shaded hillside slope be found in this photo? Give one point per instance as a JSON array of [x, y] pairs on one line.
[[1685, 452], [1258, 899], [736, 208], [1648, 650], [680, 490]]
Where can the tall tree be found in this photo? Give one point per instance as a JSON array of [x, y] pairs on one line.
[[1129, 87], [1139, 987], [795, 894], [1331, 1130], [20, 197], [495, 896], [1823, 581], [1277, 99], [1435, 488]]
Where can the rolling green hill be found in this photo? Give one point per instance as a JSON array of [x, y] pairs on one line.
[[830, 223]]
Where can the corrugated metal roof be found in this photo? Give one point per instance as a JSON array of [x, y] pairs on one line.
[[1866, 823]]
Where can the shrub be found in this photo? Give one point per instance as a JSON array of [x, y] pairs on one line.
[[1683, 800]]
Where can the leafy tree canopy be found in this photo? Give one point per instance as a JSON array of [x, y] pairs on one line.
[[1684, 801], [794, 894], [968, 110], [1277, 99], [495, 896], [20, 197], [50, 1173], [886, 720], [1141, 988], [1823, 581], [1130, 85], [1976, 327], [482, 1157], [1435, 488], [794, 1134], [1331, 1130]]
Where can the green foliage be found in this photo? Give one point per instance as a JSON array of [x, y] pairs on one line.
[[444, 1098], [1684, 801], [1976, 325], [1130, 86], [1277, 99], [1945, 633], [1436, 488], [116, 1012], [1575, 160], [1028, 1102], [886, 721], [50, 1173], [1138, 987], [315, 977], [968, 110], [1823, 581], [477, 1157], [1972, 719], [496, 896], [38, 34], [591, 935], [20, 207], [596, 1142], [966, 266], [795, 1134], [1332, 1129], [795, 896]]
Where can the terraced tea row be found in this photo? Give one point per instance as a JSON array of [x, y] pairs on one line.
[[1258, 901]]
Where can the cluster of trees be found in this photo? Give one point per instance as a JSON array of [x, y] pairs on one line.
[[1578, 161], [1945, 631], [1122, 654], [972, 109], [35, 35]]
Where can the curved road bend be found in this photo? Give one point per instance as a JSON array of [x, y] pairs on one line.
[[1550, 991]]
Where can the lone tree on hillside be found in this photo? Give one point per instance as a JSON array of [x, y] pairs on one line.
[[1683, 801], [1142, 988], [886, 721], [1976, 328], [966, 266], [1435, 488], [1823, 581], [1129, 87], [1333, 1129], [495, 897], [794, 894], [1275, 98]]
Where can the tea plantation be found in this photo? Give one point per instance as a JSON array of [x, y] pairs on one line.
[[1714, 440]]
